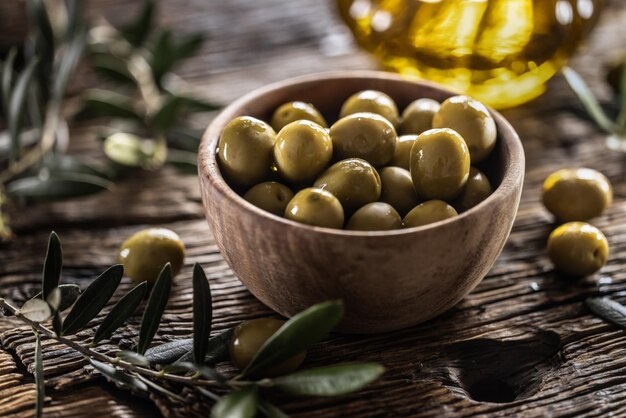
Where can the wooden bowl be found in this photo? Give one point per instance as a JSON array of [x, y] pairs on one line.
[[388, 279]]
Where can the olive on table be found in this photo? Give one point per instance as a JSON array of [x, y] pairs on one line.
[[402, 154], [293, 111], [377, 216], [371, 101], [302, 150], [440, 164], [397, 189], [477, 189], [418, 116], [364, 135], [578, 248], [317, 207], [353, 181], [471, 119], [429, 212], [577, 194], [250, 336], [246, 150], [146, 252], [270, 196]]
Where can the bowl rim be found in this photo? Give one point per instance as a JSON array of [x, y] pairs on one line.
[[208, 167]]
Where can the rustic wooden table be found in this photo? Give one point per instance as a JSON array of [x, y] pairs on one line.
[[522, 339]]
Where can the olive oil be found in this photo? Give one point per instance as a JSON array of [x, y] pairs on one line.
[[501, 52]]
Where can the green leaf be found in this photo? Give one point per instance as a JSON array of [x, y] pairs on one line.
[[112, 68], [52, 265], [36, 310], [57, 323], [163, 55], [185, 138], [17, 104], [238, 404], [588, 100], [120, 313], [329, 381], [69, 294], [608, 309], [93, 299], [202, 313], [621, 118], [167, 116], [58, 186], [7, 79], [154, 309], [198, 105], [271, 411], [106, 103], [180, 367], [54, 300], [42, 21], [207, 393], [161, 389], [119, 377], [170, 351], [74, 16], [137, 32], [72, 53], [296, 335], [217, 349], [133, 358], [63, 163], [39, 378], [188, 46], [186, 162]]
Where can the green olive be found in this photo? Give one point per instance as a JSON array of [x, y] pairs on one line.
[[440, 164], [377, 216], [402, 154], [146, 252], [472, 121], [418, 116], [477, 189], [371, 101], [293, 111], [315, 207], [250, 336], [578, 249], [354, 181], [429, 212], [397, 189], [302, 151], [270, 196], [245, 150], [364, 135], [577, 194]]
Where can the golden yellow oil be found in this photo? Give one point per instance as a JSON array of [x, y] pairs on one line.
[[501, 52]]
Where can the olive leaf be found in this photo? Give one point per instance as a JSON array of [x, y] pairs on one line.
[[69, 293], [137, 32], [112, 68], [57, 186], [330, 380], [182, 350], [207, 393], [159, 388], [7, 79], [119, 377], [198, 105], [621, 118], [170, 351], [36, 310], [202, 308], [40, 16], [271, 411], [39, 377], [52, 266], [238, 404], [62, 163], [69, 61], [185, 161], [122, 310], [16, 107], [296, 335], [217, 349], [163, 55], [155, 308], [106, 103], [608, 309], [187, 47], [54, 299], [180, 367], [93, 299], [167, 115], [185, 138], [133, 358]]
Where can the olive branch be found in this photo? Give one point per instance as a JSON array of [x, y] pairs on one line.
[[168, 368]]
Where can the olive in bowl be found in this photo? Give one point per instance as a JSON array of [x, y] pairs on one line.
[[387, 279]]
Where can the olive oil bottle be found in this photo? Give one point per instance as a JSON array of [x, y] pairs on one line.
[[501, 52]]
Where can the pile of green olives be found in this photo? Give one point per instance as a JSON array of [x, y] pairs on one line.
[[573, 196], [373, 169]]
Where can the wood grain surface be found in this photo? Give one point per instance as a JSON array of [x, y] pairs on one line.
[[521, 344]]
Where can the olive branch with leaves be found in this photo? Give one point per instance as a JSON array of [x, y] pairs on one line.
[[187, 362]]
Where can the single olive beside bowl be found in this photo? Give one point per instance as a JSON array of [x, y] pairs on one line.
[[429, 212], [293, 111], [578, 248], [250, 336], [577, 194], [402, 154], [372, 101], [302, 150], [317, 207], [364, 135], [397, 189], [471, 119], [146, 252], [477, 189], [377, 216], [440, 164], [418, 116], [270, 196], [353, 181], [245, 150]]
